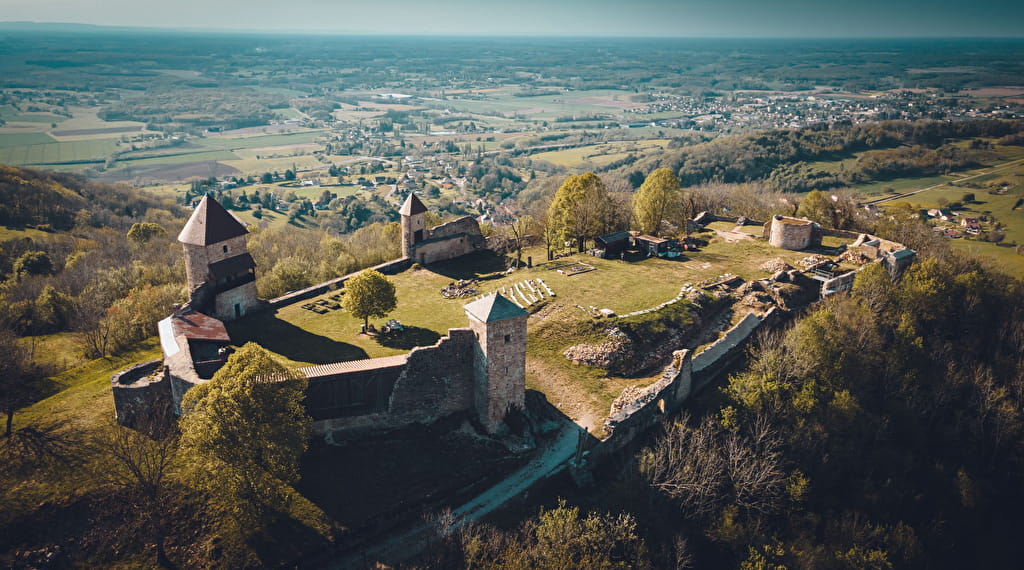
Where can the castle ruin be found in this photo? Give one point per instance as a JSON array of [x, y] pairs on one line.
[[479, 370]]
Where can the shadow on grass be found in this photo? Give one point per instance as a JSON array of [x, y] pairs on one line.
[[291, 341], [409, 338], [471, 266]]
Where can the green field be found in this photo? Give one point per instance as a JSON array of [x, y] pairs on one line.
[[57, 152], [259, 141], [599, 154], [8, 140]]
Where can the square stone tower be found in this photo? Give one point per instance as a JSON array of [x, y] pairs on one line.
[[414, 224], [221, 274], [499, 357]]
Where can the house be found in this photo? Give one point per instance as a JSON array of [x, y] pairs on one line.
[[972, 225], [612, 245], [650, 245]]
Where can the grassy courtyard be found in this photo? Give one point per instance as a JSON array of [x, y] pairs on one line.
[[303, 337]]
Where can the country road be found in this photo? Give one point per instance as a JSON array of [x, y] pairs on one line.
[[401, 547]]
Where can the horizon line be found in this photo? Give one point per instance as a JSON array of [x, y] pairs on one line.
[[505, 35]]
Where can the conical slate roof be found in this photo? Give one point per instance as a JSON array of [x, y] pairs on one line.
[[412, 206], [210, 223], [494, 307]]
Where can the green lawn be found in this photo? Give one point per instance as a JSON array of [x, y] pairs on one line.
[[23, 139]]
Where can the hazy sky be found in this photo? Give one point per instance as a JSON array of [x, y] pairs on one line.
[[688, 18]]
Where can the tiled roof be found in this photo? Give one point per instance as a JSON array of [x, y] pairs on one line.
[[197, 326], [209, 224], [354, 366], [493, 308], [412, 205]]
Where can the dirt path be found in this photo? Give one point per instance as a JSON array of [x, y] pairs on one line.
[[412, 541]]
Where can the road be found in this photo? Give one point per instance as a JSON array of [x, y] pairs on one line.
[[401, 547], [993, 170]]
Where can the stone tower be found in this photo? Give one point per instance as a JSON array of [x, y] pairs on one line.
[[414, 222], [221, 273], [500, 357]]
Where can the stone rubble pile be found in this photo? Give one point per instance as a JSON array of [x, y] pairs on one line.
[[461, 288], [602, 355], [775, 265], [812, 260], [855, 257]]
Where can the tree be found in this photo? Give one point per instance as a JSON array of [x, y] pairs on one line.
[[140, 462], [142, 232], [369, 294], [33, 263], [580, 209], [246, 430], [20, 377], [655, 200], [817, 207]]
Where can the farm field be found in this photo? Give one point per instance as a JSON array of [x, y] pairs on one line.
[[599, 154]]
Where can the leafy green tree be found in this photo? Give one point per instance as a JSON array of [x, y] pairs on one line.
[[654, 200], [52, 309], [369, 294], [581, 209], [817, 207], [142, 232], [246, 430]]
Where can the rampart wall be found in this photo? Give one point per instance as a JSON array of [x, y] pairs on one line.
[[387, 268], [436, 381], [680, 379]]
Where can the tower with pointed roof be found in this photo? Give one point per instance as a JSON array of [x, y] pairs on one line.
[[220, 272], [500, 357], [414, 224]]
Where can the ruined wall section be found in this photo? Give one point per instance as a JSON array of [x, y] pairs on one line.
[[448, 241], [792, 233], [442, 249], [141, 393], [435, 382]]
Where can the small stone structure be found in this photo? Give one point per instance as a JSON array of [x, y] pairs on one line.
[[793, 233], [440, 243]]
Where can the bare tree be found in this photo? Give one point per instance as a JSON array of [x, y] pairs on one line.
[[140, 463]]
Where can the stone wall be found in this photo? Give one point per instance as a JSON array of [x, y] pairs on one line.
[[464, 225], [667, 396], [791, 233], [500, 368], [244, 296], [436, 381], [198, 258], [841, 283], [387, 268], [141, 393], [442, 249]]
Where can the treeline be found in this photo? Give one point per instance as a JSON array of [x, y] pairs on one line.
[[770, 155], [885, 429], [188, 109]]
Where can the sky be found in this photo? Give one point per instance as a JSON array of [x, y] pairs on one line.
[[658, 18]]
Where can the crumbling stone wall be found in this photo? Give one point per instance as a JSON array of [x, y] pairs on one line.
[[141, 393], [442, 249], [435, 382], [792, 233]]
